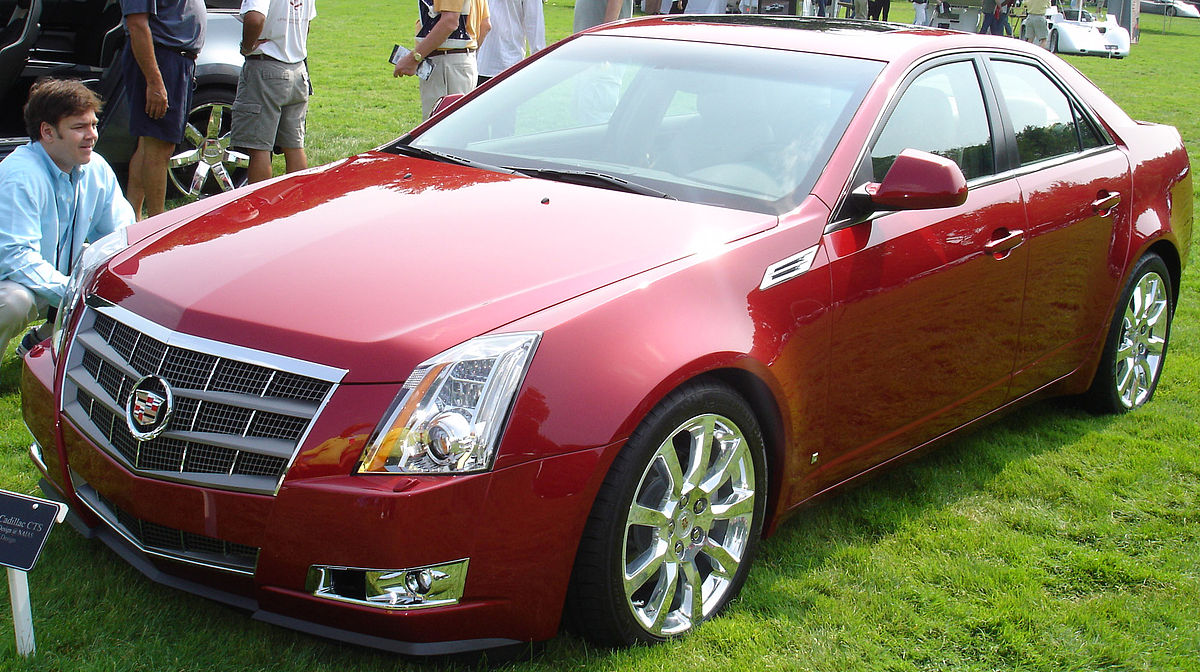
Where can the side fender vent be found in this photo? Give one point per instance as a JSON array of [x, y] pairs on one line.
[[786, 269]]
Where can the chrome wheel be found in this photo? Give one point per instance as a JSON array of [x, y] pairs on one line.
[[673, 529], [1143, 340], [203, 163], [1135, 348], [689, 526]]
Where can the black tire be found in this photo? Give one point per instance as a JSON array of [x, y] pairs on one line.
[[1054, 42], [1136, 346], [1171, 11], [205, 148], [690, 527]]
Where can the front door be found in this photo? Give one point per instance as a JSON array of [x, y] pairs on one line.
[[928, 301]]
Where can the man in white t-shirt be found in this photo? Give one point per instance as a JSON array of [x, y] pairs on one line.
[[517, 26], [272, 98]]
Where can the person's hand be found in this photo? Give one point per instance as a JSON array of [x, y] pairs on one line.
[[156, 101], [246, 51], [406, 66]]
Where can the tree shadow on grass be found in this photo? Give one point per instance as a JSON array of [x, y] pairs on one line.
[[876, 508]]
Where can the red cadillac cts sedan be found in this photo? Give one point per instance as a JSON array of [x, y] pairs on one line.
[[569, 350]]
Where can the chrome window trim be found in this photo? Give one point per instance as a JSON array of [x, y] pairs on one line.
[[77, 485], [171, 338], [1036, 166]]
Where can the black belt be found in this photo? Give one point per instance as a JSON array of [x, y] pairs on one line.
[[262, 57], [190, 55], [446, 52]]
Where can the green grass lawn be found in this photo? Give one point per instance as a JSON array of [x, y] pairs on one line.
[[1050, 540]]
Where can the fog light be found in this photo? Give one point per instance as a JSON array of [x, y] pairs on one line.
[[420, 581], [410, 588]]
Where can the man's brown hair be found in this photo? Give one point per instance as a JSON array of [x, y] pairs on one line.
[[52, 100]]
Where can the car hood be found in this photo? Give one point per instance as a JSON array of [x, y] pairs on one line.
[[378, 262]]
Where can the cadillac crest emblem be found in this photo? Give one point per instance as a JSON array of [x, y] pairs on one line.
[[148, 409]]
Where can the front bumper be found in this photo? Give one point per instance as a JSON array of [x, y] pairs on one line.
[[518, 527]]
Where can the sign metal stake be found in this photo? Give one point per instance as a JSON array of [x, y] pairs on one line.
[[18, 592]]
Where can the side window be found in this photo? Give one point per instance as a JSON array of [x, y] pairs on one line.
[[1044, 120], [942, 113], [1089, 138]]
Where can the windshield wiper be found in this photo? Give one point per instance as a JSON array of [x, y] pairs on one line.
[[591, 177], [422, 153]]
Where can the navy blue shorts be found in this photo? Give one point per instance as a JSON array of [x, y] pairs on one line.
[[178, 72]]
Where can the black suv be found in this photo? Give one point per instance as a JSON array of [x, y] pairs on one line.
[[82, 39]]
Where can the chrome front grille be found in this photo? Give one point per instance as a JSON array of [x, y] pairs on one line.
[[239, 415]]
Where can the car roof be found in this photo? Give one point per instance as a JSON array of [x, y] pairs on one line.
[[872, 40]]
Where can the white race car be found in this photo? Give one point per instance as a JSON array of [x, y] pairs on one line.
[[1077, 31], [1170, 8]]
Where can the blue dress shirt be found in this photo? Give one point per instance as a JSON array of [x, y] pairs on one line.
[[46, 215]]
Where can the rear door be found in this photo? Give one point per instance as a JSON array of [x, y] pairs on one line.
[[1076, 184]]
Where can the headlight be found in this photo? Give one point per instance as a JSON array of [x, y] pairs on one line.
[[89, 260], [448, 417]]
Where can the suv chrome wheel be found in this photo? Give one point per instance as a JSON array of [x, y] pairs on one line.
[[203, 163]]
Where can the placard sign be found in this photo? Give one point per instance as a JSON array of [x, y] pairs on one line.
[[25, 524]]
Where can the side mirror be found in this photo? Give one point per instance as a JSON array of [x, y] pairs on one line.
[[919, 181], [445, 102]]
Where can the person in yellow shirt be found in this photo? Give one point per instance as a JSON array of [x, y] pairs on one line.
[[1037, 30], [448, 34]]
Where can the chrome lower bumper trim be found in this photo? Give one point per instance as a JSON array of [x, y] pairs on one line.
[[90, 499]]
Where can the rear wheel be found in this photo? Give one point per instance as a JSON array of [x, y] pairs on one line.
[[1136, 346], [204, 164], [674, 528]]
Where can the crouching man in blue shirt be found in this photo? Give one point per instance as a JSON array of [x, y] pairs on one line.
[[55, 195]]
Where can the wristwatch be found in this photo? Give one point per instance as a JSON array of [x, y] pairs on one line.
[[417, 57]]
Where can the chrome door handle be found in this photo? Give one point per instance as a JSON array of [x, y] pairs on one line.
[[1106, 203], [1000, 247]]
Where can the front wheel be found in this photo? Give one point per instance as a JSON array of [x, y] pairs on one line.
[[1136, 346], [675, 525], [1054, 42]]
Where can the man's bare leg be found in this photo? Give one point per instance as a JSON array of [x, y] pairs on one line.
[[136, 193], [294, 159], [260, 165], [156, 155]]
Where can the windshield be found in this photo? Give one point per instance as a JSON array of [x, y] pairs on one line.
[[740, 127]]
